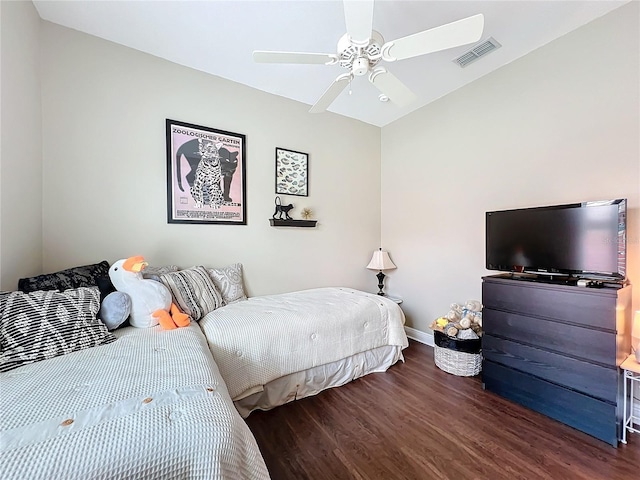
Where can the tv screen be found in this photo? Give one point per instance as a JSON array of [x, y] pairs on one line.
[[582, 239]]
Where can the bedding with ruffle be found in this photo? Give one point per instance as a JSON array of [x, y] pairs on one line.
[[264, 338]]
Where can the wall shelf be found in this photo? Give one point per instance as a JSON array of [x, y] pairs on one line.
[[276, 222]]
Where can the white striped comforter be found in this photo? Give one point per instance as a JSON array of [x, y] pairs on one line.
[[151, 405], [264, 338]]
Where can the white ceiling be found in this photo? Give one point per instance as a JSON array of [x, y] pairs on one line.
[[219, 37]]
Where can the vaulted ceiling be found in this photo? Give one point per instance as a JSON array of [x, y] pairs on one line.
[[218, 37]]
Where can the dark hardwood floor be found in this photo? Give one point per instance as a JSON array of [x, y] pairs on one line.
[[418, 422]]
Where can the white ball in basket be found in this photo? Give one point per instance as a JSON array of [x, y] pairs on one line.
[[467, 334]]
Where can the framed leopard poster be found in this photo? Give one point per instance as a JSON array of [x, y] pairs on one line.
[[292, 172], [206, 171]]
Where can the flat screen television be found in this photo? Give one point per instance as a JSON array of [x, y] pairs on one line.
[[585, 240]]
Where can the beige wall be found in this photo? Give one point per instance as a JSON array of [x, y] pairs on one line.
[[552, 127], [559, 125], [21, 144], [104, 110]]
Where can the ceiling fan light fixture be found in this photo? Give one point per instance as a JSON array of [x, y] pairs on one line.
[[360, 66]]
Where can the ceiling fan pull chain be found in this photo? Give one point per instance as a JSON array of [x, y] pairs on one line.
[[350, 85]]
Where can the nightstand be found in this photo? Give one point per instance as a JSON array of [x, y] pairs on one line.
[[631, 372], [394, 299]]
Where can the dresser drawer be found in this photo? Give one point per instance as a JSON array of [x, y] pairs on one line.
[[585, 343], [580, 306], [588, 378], [592, 416]]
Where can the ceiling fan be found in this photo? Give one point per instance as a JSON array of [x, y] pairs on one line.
[[361, 49]]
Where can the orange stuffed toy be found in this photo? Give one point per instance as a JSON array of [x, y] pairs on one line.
[[151, 301]]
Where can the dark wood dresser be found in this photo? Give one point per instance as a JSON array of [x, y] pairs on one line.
[[556, 349]]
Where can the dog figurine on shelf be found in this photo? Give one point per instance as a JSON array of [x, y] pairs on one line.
[[280, 209]]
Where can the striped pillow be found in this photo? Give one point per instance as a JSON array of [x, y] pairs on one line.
[[45, 324], [193, 291]]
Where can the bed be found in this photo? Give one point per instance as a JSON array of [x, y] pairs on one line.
[[150, 405], [277, 348], [79, 401]]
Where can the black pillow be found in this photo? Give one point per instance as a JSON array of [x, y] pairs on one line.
[[106, 287], [76, 277]]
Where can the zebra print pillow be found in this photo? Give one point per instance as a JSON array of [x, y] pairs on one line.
[[193, 291], [45, 324]]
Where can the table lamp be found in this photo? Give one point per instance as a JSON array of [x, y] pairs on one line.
[[380, 261]]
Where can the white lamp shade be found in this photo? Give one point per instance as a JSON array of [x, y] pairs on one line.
[[381, 261]]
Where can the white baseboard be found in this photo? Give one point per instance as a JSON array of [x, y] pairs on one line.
[[419, 336]]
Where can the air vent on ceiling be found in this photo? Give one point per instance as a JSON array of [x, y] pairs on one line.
[[476, 52]]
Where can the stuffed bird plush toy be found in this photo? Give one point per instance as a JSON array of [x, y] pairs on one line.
[[151, 302]]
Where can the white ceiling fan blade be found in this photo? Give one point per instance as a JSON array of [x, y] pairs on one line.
[[331, 93], [461, 32], [358, 15], [393, 88], [261, 56]]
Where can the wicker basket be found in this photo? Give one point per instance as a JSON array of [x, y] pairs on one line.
[[457, 357]]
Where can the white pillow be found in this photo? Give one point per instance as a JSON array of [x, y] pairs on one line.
[[228, 281]]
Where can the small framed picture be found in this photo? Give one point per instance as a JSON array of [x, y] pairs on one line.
[[292, 172]]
